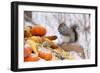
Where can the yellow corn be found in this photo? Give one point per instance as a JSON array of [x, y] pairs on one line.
[[33, 46]]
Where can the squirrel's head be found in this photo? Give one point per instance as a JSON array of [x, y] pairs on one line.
[[63, 29]]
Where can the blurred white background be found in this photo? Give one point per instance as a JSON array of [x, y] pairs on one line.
[[5, 23]]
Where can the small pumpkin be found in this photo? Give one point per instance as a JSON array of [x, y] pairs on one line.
[[31, 58], [27, 50], [45, 54], [38, 30]]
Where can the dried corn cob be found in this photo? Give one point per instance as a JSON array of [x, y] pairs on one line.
[[33, 46]]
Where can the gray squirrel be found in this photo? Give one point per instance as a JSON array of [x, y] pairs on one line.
[[69, 35]]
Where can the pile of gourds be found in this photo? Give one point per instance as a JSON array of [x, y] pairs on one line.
[[37, 46]]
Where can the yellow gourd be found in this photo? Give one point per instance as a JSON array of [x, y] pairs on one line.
[[33, 45]]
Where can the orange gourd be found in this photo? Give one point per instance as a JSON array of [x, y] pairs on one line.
[[38, 30], [27, 52], [31, 58], [46, 55]]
